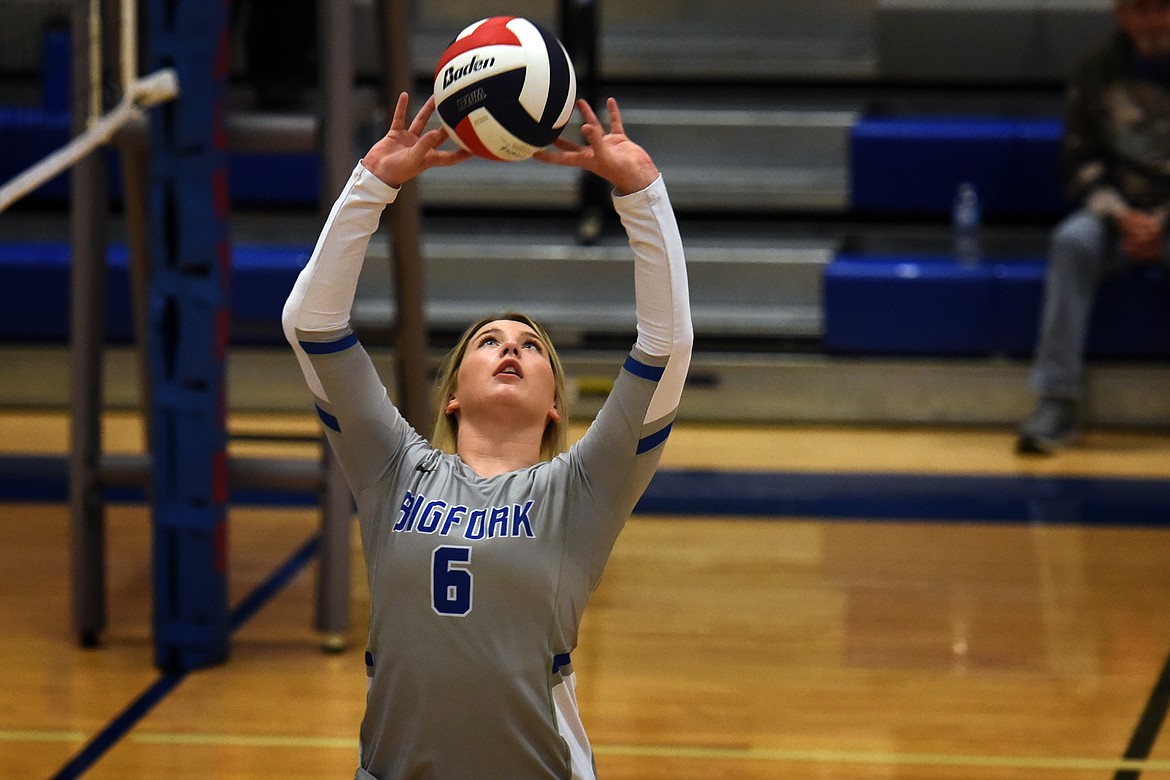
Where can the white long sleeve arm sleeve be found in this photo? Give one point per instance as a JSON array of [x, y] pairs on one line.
[[322, 298], [661, 295]]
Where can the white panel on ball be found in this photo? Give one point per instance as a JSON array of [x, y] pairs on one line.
[[494, 59], [493, 135], [534, 93], [505, 88]]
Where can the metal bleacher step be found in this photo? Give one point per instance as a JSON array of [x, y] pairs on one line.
[[688, 39], [721, 150], [739, 387], [986, 41], [769, 157], [762, 288]]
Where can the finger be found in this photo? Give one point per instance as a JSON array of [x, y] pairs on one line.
[[559, 158], [399, 120], [566, 144], [587, 116], [571, 159], [433, 139], [426, 152], [592, 133], [423, 116], [615, 117], [441, 159]]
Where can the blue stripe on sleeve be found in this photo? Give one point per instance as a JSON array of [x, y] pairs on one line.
[[559, 660], [329, 420], [638, 369], [648, 443], [329, 347]]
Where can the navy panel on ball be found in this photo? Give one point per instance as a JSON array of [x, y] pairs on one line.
[[500, 96], [490, 92], [505, 88], [559, 82]]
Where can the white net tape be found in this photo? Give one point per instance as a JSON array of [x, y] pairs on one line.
[[156, 88], [137, 94]]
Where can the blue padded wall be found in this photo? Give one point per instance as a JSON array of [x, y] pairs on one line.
[[915, 164], [911, 305], [908, 305], [34, 299], [1131, 318], [261, 279]]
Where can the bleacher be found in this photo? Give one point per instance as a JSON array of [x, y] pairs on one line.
[[812, 150]]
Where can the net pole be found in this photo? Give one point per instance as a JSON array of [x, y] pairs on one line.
[[87, 219], [410, 329], [129, 40], [94, 30], [136, 188], [190, 319], [337, 159]]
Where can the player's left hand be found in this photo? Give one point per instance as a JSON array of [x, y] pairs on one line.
[[405, 152], [612, 156]]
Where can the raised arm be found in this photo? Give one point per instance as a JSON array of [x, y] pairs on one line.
[[660, 275], [350, 397], [617, 457], [318, 309]]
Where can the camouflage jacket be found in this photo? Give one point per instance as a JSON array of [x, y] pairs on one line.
[[1117, 131]]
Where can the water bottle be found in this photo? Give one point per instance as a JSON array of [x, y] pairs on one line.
[[967, 218]]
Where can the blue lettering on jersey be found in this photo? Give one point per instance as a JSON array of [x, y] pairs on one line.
[[475, 524], [499, 522], [418, 515], [454, 517], [409, 508], [520, 517], [429, 522]]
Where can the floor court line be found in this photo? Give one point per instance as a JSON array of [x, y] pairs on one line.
[[42, 735], [873, 495], [119, 727], [1149, 724], [772, 755], [122, 725], [1010, 491]]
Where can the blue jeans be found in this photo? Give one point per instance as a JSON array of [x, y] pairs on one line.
[[1085, 249]]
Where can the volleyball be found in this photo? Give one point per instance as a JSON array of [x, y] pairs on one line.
[[505, 88]]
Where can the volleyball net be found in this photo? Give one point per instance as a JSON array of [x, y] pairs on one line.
[[136, 94], [175, 206]]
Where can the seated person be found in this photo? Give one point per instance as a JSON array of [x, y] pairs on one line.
[[1117, 154]]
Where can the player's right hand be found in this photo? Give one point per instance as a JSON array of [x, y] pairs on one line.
[[405, 152]]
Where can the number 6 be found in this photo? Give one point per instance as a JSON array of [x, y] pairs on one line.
[[451, 585]]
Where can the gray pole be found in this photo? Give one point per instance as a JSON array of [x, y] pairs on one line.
[[337, 160], [87, 213], [410, 331], [134, 147]]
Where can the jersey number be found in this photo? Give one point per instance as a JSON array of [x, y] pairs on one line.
[[451, 584]]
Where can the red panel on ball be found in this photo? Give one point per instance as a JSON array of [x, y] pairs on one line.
[[467, 135], [493, 32]]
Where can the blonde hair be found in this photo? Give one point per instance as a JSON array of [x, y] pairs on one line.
[[446, 432]]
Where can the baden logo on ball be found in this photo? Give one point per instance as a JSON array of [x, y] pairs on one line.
[[505, 88]]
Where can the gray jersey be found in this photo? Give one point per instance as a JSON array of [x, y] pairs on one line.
[[477, 585]]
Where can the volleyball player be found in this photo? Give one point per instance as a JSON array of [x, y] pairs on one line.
[[481, 556]]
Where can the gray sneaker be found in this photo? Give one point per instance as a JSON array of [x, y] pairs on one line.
[[1052, 425]]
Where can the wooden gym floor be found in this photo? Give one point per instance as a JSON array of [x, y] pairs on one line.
[[716, 647]]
